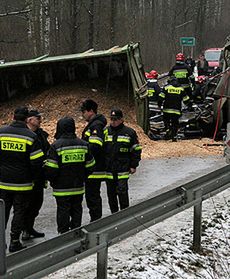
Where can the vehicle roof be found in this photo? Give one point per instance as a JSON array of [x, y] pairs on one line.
[[214, 48]]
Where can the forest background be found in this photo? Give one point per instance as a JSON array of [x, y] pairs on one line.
[[32, 28]]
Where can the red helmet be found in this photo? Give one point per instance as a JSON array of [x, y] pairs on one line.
[[201, 79], [153, 74], [147, 75], [180, 57]]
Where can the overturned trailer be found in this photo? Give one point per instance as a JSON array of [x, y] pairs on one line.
[[116, 66]]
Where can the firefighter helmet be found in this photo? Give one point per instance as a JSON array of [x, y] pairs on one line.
[[154, 74], [201, 79], [147, 75], [180, 57]]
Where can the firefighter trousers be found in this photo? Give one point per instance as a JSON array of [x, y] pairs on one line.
[[171, 122], [20, 202], [35, 204], [117, 191], [69, 212], [93, 198]]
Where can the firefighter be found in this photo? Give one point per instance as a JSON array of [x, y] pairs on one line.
[[183, 73], [33, 122], [171, 97], [93, 134], [122, 156], [153, 92], [21, 159], [69, 162]]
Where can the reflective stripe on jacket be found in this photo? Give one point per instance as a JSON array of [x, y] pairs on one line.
[[122, 151], [21, 157]]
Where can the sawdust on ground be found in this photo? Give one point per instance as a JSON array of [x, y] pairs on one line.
[[65, 101]]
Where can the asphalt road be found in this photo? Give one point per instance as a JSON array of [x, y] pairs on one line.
[[151, 178]]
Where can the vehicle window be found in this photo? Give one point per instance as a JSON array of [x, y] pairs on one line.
[[212, 55]]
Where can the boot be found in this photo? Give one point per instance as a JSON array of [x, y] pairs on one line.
[[26, 235], [36, 234], [16, 245]]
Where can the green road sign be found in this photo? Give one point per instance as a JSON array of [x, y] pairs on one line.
[[187, 41]]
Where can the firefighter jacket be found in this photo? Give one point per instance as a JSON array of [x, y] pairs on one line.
[[171, 96], [69, 161], [42, 138], [94, 135], [182, 72], [153, 90], [122, 151], [21, 157]]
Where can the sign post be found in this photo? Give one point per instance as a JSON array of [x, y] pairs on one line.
[[187, 41]]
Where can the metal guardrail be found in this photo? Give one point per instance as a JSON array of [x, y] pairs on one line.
[[49, 256]]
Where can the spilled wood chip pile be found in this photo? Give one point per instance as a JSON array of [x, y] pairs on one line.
[[65, 100]]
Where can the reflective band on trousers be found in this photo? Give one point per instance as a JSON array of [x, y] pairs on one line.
[[120, 175], [68, 192], [16, 187], [172, 111], [97, 175]]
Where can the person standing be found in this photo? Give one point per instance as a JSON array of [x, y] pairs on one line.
[[122, 156], [171, 97], [36, 199], [21, 159], [93, 133], [69, 162], [183, 73], [202, 66]]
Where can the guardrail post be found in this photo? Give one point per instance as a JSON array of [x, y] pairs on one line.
[[102, 257], [2, 239], [197, 223]]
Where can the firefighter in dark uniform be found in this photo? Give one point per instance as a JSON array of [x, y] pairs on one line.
[[171, 97], [21, 159], [183, 73], [122, 156], [33, 122], [69, 162], [153, 92], [94, 135]]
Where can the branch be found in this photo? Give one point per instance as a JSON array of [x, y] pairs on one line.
[[178, 26], [15, 13]]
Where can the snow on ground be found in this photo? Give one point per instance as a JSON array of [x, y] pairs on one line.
[[163, 251]]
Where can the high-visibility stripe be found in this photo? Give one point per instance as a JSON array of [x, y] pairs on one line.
[[17, 138], [16, 187], [52, 164], [72, 149], [108, 175], [173, 111], [97, 175], [90, 163], [123, 139], [68, 192], [96, 140], [186, 98], [136, 147], [108, 138], [123, 175], [37, 154], [162, 95], [87, 133]]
